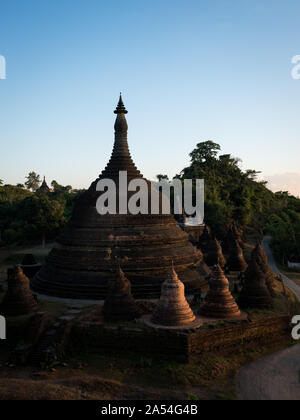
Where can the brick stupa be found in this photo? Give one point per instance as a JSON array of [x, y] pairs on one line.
[[120, 304], [219, 302], [80, 264], [255, 293], [236, 260], [18, 299], [215, 254], [173, 309], [261, 257]]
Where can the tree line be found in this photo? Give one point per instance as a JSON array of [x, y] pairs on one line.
[[231, 194]]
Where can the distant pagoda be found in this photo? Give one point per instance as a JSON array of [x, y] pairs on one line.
[[119, 304], [44, 189], [173, 309], [18, 299], [219, 302], [89, 250]]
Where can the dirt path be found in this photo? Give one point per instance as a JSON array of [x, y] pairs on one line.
[[271, 378], [288, 282]]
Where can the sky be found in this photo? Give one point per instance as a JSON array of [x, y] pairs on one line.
[[189, 71]]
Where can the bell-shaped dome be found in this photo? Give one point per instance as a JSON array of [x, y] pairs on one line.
[[173, 309]]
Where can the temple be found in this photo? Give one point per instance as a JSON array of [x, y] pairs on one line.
[[219, 302], [44, 189], [92, 246], [18, 299]]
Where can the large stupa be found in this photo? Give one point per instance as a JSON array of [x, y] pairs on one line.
[[90, 249]]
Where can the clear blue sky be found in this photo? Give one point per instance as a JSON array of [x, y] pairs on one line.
[[189, 71]]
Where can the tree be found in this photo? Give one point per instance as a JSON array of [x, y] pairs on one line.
[[33, 181], [160, 177], [60, 188], [46, 214], [205, 152]]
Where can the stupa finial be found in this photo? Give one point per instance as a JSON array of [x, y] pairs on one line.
[[121, 107]]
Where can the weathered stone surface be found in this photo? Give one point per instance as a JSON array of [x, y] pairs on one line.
[[215, 254], [255, 293], [119, 304], [219, 302], [236, 260], [92, 246], [18, 299], [173, 308]]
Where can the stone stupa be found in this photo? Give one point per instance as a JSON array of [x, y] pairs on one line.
[[219, 302], [215, 254], [235, 233], [255, 293], [261, 257], [173, 309], [119, 304], [236, 260], [205, 239], [80, 264], [18, 299]]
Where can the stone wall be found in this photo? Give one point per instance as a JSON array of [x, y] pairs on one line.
[[181, 346]]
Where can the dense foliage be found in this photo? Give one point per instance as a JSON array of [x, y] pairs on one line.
[[234, 194], [27, 216]]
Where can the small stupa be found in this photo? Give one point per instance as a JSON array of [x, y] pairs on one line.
[[215, 254], [205, 239], [120, 304], [219, 302], [234, 233], [173, 309], [255, 293], [18, 299], [236, 260], [261, 257]]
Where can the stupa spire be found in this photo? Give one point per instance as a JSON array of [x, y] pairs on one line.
[[121, 107], [120, 158]]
